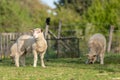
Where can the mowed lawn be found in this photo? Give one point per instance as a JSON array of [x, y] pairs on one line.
[[63, 69]]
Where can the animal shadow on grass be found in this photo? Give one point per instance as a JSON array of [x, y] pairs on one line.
[[111, 64], [112, 59]]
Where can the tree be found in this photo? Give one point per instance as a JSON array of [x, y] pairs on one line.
[[102, 14], [78, 6]]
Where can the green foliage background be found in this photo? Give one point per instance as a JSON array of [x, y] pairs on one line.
[[21, 15]]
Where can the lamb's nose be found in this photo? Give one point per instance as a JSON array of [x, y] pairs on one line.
[[90, 62]]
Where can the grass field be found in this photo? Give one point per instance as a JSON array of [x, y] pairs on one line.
[[63, 69]]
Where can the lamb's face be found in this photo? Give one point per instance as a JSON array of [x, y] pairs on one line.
[[37, 33], [91, 59]]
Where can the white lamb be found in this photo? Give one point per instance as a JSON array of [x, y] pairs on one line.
[[27, 43]]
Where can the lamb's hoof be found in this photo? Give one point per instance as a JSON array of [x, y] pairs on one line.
[[102, 63], [17, 66], [44, 66], [34, 66]]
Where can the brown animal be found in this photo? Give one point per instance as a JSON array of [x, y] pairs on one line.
[[27, 43], [97, 47]]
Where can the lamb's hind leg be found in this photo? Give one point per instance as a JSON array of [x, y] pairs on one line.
[[22, 60], [42, 59], [101, 58]]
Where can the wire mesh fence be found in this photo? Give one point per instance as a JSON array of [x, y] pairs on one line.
[[64, 47]]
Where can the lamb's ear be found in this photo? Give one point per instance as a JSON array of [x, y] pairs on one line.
[[41, 30]]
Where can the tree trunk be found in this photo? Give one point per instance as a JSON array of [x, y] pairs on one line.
[[110, 38]]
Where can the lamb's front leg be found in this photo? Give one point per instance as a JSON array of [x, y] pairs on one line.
[[17, 60], [101, 58], [35, 58], [42, 59]]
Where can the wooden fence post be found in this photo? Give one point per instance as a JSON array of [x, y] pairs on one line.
[[1, 48], [46, 34], [110, 38], [58, 42], [47, 27], [59, 28]]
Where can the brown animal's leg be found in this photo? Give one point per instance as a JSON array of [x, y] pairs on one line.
[[35, 58], [17, 60], [42, 61]]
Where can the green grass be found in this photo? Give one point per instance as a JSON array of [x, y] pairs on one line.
[[63, 69]]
